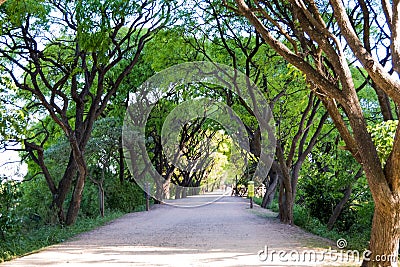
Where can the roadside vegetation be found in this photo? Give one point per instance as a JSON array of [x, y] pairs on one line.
[[31, 238], [67, 69]]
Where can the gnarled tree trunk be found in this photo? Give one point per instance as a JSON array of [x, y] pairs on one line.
[[272, 185], [384, 242], [314, 48]]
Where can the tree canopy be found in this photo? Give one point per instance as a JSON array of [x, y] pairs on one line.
[[328, 69]]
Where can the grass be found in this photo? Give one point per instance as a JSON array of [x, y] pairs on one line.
[[302, 218], [34, 239], [257, 200], [355, 239], [274, 206]]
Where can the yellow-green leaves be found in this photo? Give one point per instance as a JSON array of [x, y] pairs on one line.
[[19, 10], [383, 136]]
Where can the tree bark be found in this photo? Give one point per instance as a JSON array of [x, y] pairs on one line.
[[178, 192], [75, 202], [75, 103], [286, 200], [63, 189], [384, 242], [272, 186], [384, 103], [270, 194], [101, 199], [76, 199], [285, 206], [121, 161], [339, 207]]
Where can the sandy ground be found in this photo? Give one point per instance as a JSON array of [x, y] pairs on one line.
[[224, 233]]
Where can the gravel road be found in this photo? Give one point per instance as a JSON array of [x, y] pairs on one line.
[[224, 233]]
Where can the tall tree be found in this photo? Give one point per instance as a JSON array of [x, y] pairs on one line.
[[220, 37], [67, 59], [321, 38]]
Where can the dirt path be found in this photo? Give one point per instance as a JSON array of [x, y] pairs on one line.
[[225, 233]]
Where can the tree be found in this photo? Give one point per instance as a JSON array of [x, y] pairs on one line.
[[221, 37], [67, 60], [321, 39], [102, 153], [332, 183], [300, 139], [190, 146]]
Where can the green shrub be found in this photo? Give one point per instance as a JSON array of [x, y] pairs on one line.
[[90, 201], [30, 239], [257, 200], [126, 196], [301, 216], [356, 239], [319, 196], [9, 196], [35, 201], [274, 206]]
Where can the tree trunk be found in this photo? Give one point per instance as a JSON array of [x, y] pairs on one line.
[[184, 192], [339, 207], [178, 190], [384, 103], [270, 193], [121, 161], [165, 190], [285, 205], [384, 184], [101, 199], [286, 200], [63, 189], [159, 193], [384, 243], [76, 198]]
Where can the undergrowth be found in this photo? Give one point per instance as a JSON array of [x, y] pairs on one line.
[[356, 239], [31, 239]]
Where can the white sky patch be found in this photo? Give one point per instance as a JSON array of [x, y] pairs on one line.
[[11, 167]]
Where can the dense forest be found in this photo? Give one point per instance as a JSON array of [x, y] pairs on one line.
[[327, 70]]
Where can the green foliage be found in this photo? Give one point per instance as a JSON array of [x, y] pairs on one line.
[[324, 178], [303, 218], [356, 239], [383, 136], [17, 11], [9, 195], [126, 196], [322, 183], [310, 198], [34, 203], [31, 239], [31, 225], [320, 195], [36, 200], [169, 48], [12, 119], [274, 206], [90, 201], [325, 174]]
